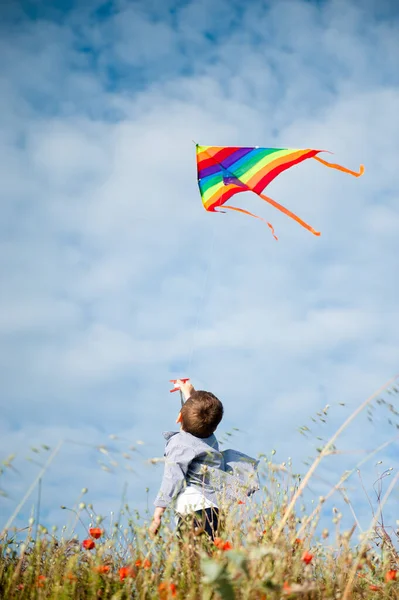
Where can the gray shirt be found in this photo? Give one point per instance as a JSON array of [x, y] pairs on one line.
[[220, 475]]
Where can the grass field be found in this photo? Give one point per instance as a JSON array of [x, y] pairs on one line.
[[265, 550]]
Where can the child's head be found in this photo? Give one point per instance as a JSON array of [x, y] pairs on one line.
[[201, 414]]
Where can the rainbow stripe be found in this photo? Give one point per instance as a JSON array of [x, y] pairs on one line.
[[224, 171]]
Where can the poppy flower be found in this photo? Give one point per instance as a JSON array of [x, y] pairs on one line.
[[297, 542], [125, 572], [286, 587], [391, 575], [71, 577], [227, 546], [102, 569], [40, 580], [374, 588], [222, 545], [240, 502], [88, 544], [164, 589], [20, 586], [96, 532], [307, 557], [146, 564]]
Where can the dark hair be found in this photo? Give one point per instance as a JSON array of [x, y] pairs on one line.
[[201, 414]]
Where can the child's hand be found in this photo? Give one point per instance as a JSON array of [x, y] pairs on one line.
[[155, 525], [186, 388], [156, 520]]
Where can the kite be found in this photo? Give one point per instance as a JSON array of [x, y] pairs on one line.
[[224, 171]]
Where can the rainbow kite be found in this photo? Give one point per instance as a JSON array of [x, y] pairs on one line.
[[224, 171]]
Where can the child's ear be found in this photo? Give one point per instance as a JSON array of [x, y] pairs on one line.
[[179, 419]]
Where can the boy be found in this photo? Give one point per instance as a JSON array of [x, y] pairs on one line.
[[197, 475]]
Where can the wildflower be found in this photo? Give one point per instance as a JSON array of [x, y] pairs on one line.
[[307, 557], [286, 587], [374, 588], [164, 589], [102, 569], [146, 564], [391, 575], [222, 545], [95, 532], [88, 544], [41, 580], [20, 586], [138, 563], [71, 577], [240, 502], [227, 546], [125, 572]]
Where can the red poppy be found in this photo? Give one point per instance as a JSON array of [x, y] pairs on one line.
[[222, 545], [307, 557], [164, 589], [88, 544], [286, 587], [102, 569], [227, 546], [20, 586], [391, 575], [40, 580], [240, 502], [71, 577], [297, 542], [374, 588], [96, 532], [138, 563], [146, 564], [125, 572]]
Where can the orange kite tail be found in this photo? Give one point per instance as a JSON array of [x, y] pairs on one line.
[[340, 167], [288, 213], [246, 212]]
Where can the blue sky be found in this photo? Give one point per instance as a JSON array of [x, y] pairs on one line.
[[114, 279]]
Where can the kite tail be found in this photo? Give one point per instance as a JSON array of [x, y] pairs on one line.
[[246, 212], [288, 213], [341, 168]]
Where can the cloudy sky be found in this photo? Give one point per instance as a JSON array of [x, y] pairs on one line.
[[113, 277]]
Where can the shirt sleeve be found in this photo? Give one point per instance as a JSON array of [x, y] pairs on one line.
[[177, 460]]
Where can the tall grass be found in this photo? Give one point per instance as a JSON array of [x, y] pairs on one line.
[[266, 549]]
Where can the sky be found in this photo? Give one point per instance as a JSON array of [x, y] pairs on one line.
[[113, 277]]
